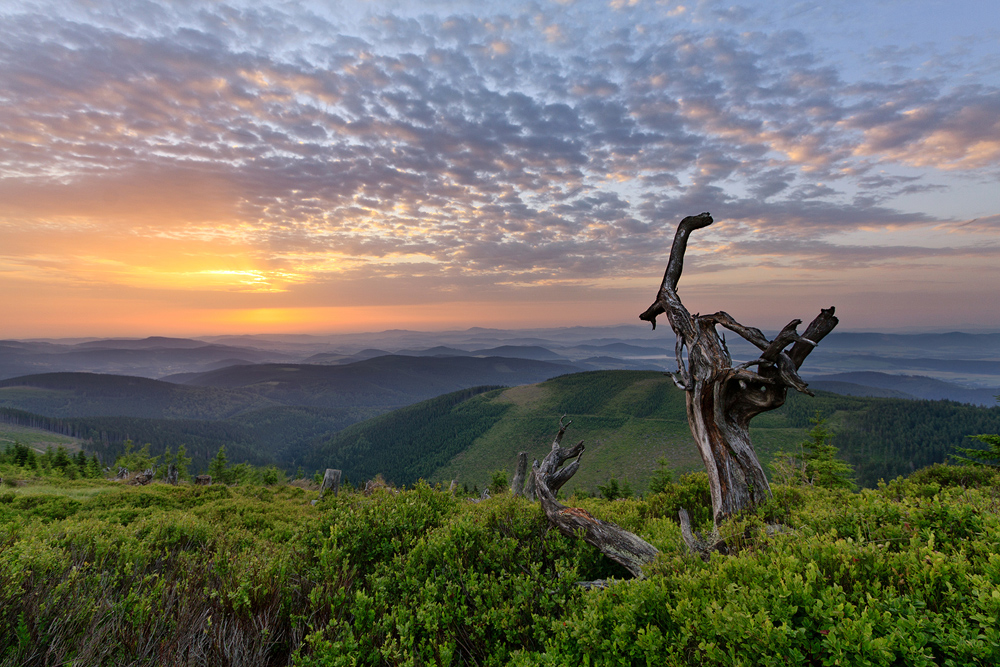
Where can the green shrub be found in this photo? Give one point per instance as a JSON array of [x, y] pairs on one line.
[[907, 573], [952, 475], [691, 492]]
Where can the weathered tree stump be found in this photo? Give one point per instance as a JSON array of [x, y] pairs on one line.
[[203, 480], [331, 480], [618, 544], [517, 485], [721, 400], [143, 478], [172, 474]]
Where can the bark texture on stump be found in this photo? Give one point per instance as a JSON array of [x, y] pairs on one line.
[[721, 399], [331, 482], [615, 542], [520, 470]]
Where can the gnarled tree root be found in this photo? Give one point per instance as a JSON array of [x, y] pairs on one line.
[[618, 544]]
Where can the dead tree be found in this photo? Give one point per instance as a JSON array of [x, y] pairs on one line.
[[616, 543], [721, 399], [331, 482]]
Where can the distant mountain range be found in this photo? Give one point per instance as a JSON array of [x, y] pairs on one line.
[[288, 398], [968, 361], [868, 383], [379, 383], [151, 357]]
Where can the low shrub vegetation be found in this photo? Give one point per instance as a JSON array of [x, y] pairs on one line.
[[904, 574]]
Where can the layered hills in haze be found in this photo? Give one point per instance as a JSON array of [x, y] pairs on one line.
[[969, 361], [458, 405]]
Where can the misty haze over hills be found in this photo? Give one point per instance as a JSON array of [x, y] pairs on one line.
[[957, 366]]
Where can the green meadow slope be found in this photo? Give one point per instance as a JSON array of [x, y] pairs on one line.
[[629, 420], [36, 438]]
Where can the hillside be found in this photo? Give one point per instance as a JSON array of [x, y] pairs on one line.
[[413, 442], [629, 420], [93, 395], [270, 436], [384, 381], [37, 438], [263, 414], [867, 383]]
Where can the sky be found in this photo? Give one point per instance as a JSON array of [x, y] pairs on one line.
[[207, 167]]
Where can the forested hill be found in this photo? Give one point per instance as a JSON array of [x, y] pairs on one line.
[[381, 384], [388, 380], [263, 414], [92, 395], [629, 420], [278, 435]]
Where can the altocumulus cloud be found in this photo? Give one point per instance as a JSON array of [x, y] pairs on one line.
[[468, 145]]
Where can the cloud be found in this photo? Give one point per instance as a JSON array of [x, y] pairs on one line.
[[961, 131], [460, 143]]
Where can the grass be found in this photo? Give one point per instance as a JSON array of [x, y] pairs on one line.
[[628, 422], [35, 438], [77, 489]]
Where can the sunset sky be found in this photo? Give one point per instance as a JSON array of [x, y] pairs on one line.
[[201, 167]]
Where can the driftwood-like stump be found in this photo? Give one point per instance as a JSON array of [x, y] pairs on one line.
[[520, 471], [143, 478], [331, 482], [721, 399], [618, 544]]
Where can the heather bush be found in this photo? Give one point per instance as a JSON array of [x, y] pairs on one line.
[[94, 572]]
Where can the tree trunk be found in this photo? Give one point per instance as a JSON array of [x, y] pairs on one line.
[[721, 399]]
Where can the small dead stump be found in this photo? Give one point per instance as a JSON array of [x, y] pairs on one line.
[[373, 485], [618, 544], [203, 480], [331, 481], [143, 478]]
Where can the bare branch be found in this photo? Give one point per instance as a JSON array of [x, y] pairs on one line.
[[676, 262], [614, 542], [666, 296], [814, 333], [785, 337], [750, 334]]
